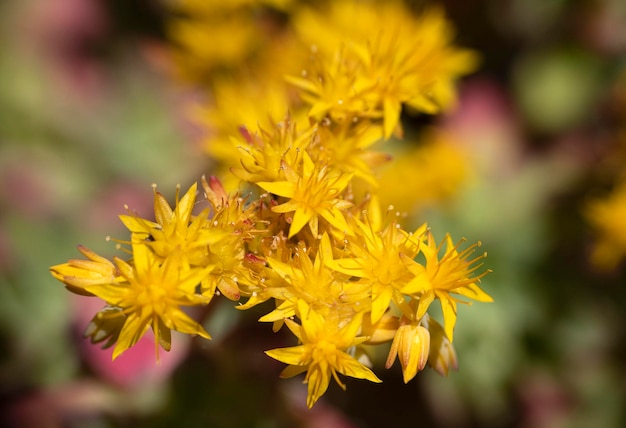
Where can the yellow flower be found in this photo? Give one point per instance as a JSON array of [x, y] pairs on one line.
[[333, 88], [376, 56], [607, 216], [212, 36], [376, 259], [345, 146], [77, 275], [313, 193], [323, 352], [262, 154], [329, 293], [208, 43], [443, 169], [151, 296], [226, 127], [175, 231], [439, 277]]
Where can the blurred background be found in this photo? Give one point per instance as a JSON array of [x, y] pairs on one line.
[[91, 114]]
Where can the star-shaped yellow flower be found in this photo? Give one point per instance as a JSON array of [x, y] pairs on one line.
[[373, 58], [151, 296], [376, 258], [606, 216], [175, 231], [313, 193], [439, 277], [323, 351]]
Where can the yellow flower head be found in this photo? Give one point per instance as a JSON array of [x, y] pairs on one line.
[[347, 146], [323, 351], [150, 296], [443, 169], [607, 216], [329, 293], [376, 56], [439, 277], [314, 192], [223, 122], [262, 154], [212, 36], [176, 231], [377, 259]]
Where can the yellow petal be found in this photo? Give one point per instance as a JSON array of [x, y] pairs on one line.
[[112, 294], [318, 380], [336, 219], [284, 270], [414, 353], [473, 291], [320, 109], [280, 188], [423, 104], [448, 306], [351, 367], [284, 310], [352, 267], [293, 355], [177, 320], [291, 371], [287, 207], [134, 327], [138, 225], [380, 303], [424, 303], [229, 288], [185, 206], [391, 110], [300, 218], [442, 356], [301, 83], [164, 335], [162, 210]]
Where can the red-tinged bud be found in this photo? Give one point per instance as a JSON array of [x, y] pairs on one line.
[[216, 185], [214, 191], [228, 287], [253, 258], [246, 135]]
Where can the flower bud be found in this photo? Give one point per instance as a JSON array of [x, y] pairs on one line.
[[412, 344], [442, 356]]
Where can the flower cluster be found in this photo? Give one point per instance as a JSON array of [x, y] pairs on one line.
[[308, 234]]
